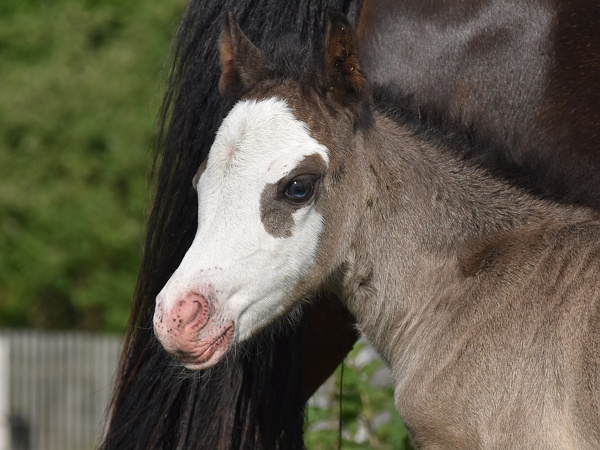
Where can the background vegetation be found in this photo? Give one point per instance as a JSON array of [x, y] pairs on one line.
[[80, 86], [79, 91], [360, 395]]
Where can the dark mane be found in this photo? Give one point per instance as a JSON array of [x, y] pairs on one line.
[[468, 143], [392, 102]]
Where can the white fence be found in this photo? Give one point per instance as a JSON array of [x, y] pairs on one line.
[[54, 388]]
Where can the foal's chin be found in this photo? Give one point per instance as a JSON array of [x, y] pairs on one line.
[[209, 351], [209, 354], [203, 351]]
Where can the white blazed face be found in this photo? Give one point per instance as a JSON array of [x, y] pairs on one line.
[[258, 231]]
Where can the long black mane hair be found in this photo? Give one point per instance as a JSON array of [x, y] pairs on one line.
[[248, 402]]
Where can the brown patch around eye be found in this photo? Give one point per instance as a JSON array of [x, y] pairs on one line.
[[275, 212], [275, 215]]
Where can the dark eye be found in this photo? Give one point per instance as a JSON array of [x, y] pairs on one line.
[[300, 189]]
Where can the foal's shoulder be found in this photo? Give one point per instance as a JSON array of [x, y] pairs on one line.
[[564, 239]]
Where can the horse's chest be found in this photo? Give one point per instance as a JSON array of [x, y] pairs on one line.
[[459, 411], [475, 394]]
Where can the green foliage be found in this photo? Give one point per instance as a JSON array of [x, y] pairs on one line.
[[369, 417], [79, 92]]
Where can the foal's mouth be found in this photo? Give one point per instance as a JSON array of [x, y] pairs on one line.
[[209, 351]]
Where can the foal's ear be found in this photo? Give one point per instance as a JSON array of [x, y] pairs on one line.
[[342, 72], [242, 64]]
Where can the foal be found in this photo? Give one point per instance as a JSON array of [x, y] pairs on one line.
[[482, 299]]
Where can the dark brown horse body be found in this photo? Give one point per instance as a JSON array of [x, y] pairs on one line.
[[522, 77], [526, 86]]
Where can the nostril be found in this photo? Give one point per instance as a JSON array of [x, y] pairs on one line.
[[191, 312]]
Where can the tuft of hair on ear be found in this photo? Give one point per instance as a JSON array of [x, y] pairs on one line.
[[342, 72], [242, 64]]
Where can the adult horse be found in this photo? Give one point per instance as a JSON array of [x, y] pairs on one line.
[[482, 298], [243, 405]]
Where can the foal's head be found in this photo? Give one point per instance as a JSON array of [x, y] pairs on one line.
[[276, 202]]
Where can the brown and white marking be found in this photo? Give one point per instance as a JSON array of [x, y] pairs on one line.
[[254, 241]]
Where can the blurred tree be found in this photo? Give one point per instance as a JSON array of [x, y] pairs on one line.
[[79, 91]]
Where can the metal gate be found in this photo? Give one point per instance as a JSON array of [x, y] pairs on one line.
[[54, 388]]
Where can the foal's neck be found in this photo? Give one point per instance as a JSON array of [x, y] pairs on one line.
[[445, 199], [428, 211]]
